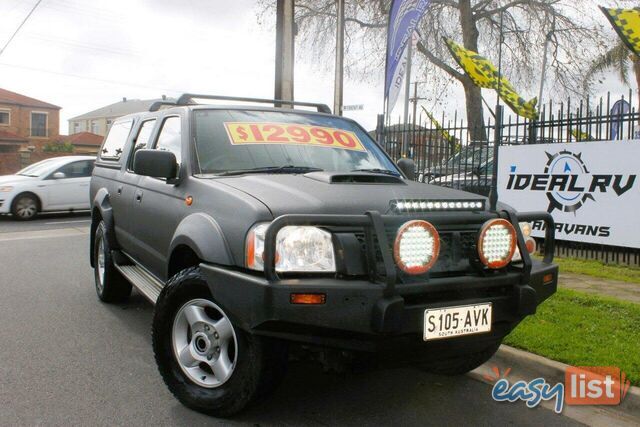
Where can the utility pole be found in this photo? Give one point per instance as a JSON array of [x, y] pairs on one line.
[[339, 76], [407, 91], [544, 59], [285, 45], [493, 193], [415, 100]]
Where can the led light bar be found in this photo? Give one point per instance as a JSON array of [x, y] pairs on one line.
[[421, 205]]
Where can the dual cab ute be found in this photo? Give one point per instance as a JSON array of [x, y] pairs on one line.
[[260, 230]]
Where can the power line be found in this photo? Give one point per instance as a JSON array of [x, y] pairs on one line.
[[20, 26], [77, 76]]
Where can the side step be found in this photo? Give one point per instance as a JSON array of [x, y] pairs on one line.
[[144, 282]]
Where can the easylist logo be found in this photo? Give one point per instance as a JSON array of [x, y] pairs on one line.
[[567, 182]]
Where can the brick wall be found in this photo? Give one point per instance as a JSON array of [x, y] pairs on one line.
[[12, 162], [9, 163]]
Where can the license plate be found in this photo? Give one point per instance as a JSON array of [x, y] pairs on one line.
[[451, 322]]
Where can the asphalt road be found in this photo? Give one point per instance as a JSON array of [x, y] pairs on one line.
[[45, 221], [67, 359]]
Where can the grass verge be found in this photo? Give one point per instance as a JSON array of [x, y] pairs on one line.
[[598, 269], [583, 330]]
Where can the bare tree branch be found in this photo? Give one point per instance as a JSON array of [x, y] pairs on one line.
[[438, 62]]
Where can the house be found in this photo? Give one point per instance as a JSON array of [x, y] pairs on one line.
[[99, 121], [26, 122], [82, 142]]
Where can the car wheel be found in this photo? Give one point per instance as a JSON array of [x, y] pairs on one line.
[[207, 362], [111, 286], [462, 364], [25, 207]]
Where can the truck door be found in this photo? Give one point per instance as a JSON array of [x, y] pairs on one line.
[[158, 205]]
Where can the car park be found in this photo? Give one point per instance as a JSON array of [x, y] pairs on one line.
[[469, 160], [477, 181], [57, 184], [259, 230]]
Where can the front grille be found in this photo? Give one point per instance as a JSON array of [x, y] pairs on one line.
[[457, 247]]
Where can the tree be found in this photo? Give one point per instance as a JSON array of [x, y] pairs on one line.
[[619, 59], [474, 22]]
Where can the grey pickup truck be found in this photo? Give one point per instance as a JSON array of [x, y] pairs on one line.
[[261, 230]]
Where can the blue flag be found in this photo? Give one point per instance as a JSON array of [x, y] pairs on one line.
[[404, 16], [617, 113]]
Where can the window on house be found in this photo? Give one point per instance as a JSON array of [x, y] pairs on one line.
[[76, 127], [38, 124], [109, 123], [94, 126], [4, 117]]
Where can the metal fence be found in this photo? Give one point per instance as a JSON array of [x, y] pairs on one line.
[[446, 154]]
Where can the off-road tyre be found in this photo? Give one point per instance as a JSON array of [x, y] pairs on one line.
[[111, 286], [255, 371]]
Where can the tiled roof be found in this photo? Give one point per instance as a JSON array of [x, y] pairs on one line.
[[10, 136], [8, 97], [83, 138], [120, 109]]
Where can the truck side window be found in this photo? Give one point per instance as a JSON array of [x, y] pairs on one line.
[[170, 137], [143, 139], [115, 141]]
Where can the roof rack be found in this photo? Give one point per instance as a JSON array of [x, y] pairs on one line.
[[156, 105], [187, 99]]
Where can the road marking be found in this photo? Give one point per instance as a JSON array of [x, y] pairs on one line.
[[67, 222], [43, 234]]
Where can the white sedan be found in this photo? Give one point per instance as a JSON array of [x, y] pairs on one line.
[[58, 184]]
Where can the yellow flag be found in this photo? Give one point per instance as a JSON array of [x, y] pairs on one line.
[[579, 135], [626, 22], [439, 128], [484, 74]]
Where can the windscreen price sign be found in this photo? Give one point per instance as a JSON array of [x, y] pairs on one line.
[[591, 188], [243, 133]]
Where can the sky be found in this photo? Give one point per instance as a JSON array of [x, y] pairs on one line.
[[82, 55]]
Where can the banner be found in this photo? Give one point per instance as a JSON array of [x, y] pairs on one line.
[[484, 74], [590, 188], [404, 16], [396, 81], [626, 22], [619, 109]]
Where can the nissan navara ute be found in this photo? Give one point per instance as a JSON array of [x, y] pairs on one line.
[[261, 230]]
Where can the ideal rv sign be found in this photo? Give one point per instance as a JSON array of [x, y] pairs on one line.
[[590, 188]]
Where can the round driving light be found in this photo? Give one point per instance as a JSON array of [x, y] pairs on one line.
[[416, 247], [530, 243], [496, 243]]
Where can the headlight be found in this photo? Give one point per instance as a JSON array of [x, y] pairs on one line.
[[6, 189], [298, 249], [496, 243], [416, 247]]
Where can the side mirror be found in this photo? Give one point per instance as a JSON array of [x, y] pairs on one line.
[[59, 175], [155, 163], [408, 167]]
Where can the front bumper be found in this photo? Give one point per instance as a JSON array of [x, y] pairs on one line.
[[377, 314], [357, 315]]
